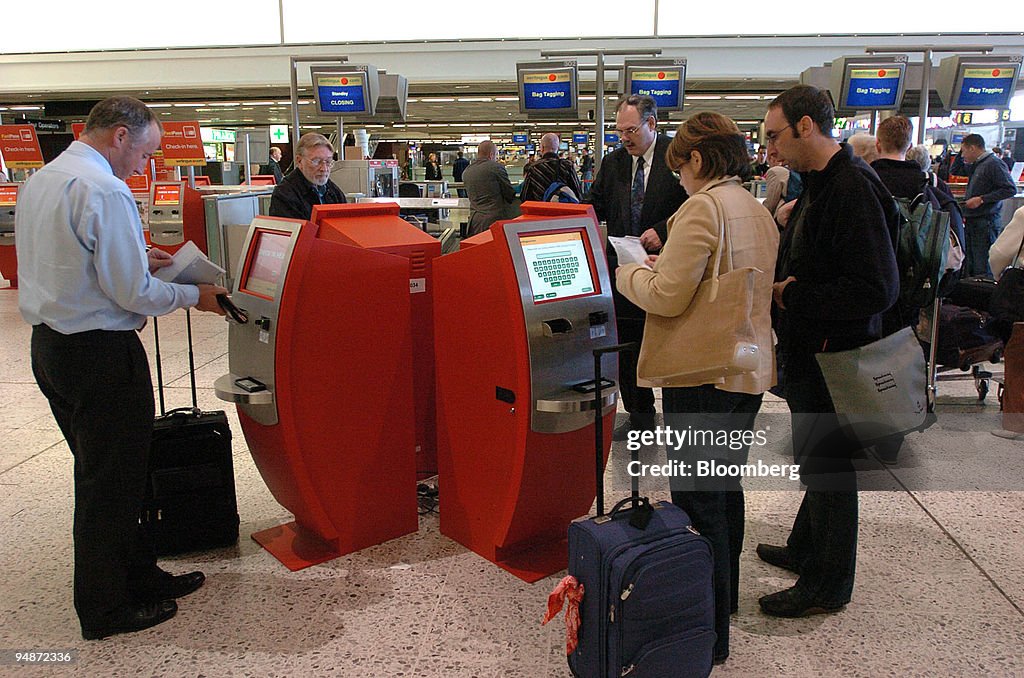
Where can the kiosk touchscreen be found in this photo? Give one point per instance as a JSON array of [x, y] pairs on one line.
[[321, 371], [378, 226], [8, 256], [525, 307]]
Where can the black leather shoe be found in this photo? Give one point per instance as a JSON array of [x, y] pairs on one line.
[[778, 556], [719, 659], [621, 432], [170, 586], [135, 619], [791, 603]]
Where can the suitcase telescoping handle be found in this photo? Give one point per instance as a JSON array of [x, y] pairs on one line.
[[191, 364], [599, 353]]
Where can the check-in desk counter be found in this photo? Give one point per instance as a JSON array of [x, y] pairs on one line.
[[8, 255], [321, 371], [379, 227], [526, 303], [436, 210]]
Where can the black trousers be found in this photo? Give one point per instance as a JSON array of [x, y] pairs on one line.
[[717, 513], [636, 399], [101, 395]]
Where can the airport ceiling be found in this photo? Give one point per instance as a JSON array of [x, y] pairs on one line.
[[436, 110]]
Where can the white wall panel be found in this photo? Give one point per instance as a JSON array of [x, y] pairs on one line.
[[60, 25], [756, 17], [319, 21]]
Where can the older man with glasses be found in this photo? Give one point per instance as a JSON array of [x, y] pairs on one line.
[[635, 193], [309, 183]]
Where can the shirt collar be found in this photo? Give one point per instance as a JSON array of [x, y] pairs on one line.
[[648, 155], [84, 150]]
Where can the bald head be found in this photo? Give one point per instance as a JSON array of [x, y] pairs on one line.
[[487, 150], [549, 143]]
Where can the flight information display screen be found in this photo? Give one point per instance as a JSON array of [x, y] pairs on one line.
[[872, 88], [549, 91], [665, 86], [558, 265], [986, 86], [266, 263], [341, 93]]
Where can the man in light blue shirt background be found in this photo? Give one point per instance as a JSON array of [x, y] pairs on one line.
[[86, 288]]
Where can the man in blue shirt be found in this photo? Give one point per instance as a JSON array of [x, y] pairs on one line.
[[87, 288]]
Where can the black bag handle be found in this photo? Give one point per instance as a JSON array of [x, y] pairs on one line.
[[599, 353]]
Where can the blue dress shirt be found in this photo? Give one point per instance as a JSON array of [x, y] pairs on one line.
[[82, 261]]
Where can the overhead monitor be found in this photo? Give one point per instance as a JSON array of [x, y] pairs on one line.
[[560, 264], [8, 195], [265, 263], [580, 137], [351, 90], [978, 82], [868, 82], [519, 138], [166, 194], [664, 80], [611, 138], [548, 88]]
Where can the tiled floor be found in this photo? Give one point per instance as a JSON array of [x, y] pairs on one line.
[[940, 586]]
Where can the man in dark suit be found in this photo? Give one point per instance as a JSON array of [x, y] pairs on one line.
[[491, 196], [635, 193]]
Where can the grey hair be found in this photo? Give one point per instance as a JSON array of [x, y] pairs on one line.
[[311, 140], [921, 156], [121, 111], [646, 106]]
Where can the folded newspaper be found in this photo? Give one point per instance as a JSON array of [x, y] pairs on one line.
[[629, 250], [189, 267]]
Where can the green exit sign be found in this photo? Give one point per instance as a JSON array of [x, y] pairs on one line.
[[213, 135], [279, 134]]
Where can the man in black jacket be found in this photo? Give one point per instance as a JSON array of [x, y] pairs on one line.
[[549, 169], [989, 185], [635, 193], [836, 276], [309, 183]]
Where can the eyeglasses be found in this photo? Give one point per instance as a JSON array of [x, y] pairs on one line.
[[321, 162], [773, 136], [632, 130]]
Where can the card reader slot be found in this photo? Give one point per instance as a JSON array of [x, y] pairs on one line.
[[556, 326]]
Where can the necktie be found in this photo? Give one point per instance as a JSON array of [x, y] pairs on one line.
[[636, 196]]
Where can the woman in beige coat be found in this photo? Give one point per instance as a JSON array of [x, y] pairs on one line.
[[709, 152]]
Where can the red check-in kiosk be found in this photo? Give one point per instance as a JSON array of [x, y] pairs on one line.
[[378, 226], [176, 215], [321, 372], [8, 256], [526, 304]]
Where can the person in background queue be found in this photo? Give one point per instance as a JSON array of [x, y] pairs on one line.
[[635, 193], [309, 183], [491, 195]]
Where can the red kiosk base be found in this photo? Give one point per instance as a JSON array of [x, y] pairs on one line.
[[9, 265], [296, 547]]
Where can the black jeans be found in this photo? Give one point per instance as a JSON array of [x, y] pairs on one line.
[[635, 399], [824, 535], [101, 395], [980, 233], [718, 513]]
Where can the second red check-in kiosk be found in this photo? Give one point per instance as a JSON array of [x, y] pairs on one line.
[[8, 255], [176, 216], [517, 316], [321, 371], [378, 226]]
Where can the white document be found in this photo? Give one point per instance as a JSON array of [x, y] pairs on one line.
[[190, 266], [629, 250]]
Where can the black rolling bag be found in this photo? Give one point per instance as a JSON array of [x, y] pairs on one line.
[[189, 503]]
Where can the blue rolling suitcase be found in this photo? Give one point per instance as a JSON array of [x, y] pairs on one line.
[[648, 602]]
